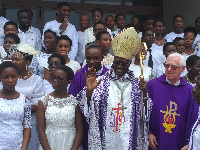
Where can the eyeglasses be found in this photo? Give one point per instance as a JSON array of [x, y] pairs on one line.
[[115, 62], [173, 67], [56, 63], [58, 79]]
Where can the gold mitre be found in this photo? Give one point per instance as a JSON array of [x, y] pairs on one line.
[[126, 44]]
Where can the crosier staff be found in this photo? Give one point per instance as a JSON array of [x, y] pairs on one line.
[[142, 57]]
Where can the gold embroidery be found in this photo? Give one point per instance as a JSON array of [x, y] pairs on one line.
[[168, 120]]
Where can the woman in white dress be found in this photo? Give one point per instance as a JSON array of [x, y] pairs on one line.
[[63, 46], [39, 61], [29, 84], [59, 117], [15, 111]]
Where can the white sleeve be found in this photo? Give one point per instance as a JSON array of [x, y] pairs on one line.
[[74, 48], [38, 92], [38, 42], [168, 38]]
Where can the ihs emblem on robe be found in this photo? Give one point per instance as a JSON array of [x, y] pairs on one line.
[[117, 117], [170, 117]]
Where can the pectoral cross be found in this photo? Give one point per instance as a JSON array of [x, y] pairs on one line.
[[122, 108]]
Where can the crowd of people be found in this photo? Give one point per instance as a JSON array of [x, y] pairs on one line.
[[67, 89]]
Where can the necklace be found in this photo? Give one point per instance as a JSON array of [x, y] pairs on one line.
[[23, 77], [189, 81], [122, 94]]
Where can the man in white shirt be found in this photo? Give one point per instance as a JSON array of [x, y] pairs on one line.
[[178, 24], [154, 57], [110, 22], [120, 21], [148, 23], [26, 33], [97, 15], [2, 22], [35, 29], [62, 25], [84, 24]]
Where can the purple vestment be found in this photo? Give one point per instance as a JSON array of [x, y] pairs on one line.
[[77, 84], [173, 113], [98, 113]]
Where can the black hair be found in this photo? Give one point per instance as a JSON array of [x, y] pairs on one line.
[[177, 39], [159, 20], [94, 46], [67, 70], [149, 17], [136, 17], [64, 37], [99, 34], [8, 64], [54, 33], [166, 45], [109, 16], [62, 59], [191, 60], [25, 55], [30, 11], [22, 10], [61, 4], [84, 15], [119, 14], [145, 30], [100, 22], [10, 23], [29, 57], [177, 17], [197, 19], [15, 37], [97, 9], [191, 29]]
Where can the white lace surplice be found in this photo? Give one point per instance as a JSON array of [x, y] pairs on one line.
[[60, 122], [15, 115]]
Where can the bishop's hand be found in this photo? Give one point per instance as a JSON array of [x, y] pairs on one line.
[[91, 82]]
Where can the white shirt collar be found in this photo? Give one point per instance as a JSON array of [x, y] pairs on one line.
[[175, 84]]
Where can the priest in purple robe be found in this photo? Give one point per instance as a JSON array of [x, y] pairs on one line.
[[112, 102], [174, 111]]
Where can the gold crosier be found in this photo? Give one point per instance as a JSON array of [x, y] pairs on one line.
[[141, 77]]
